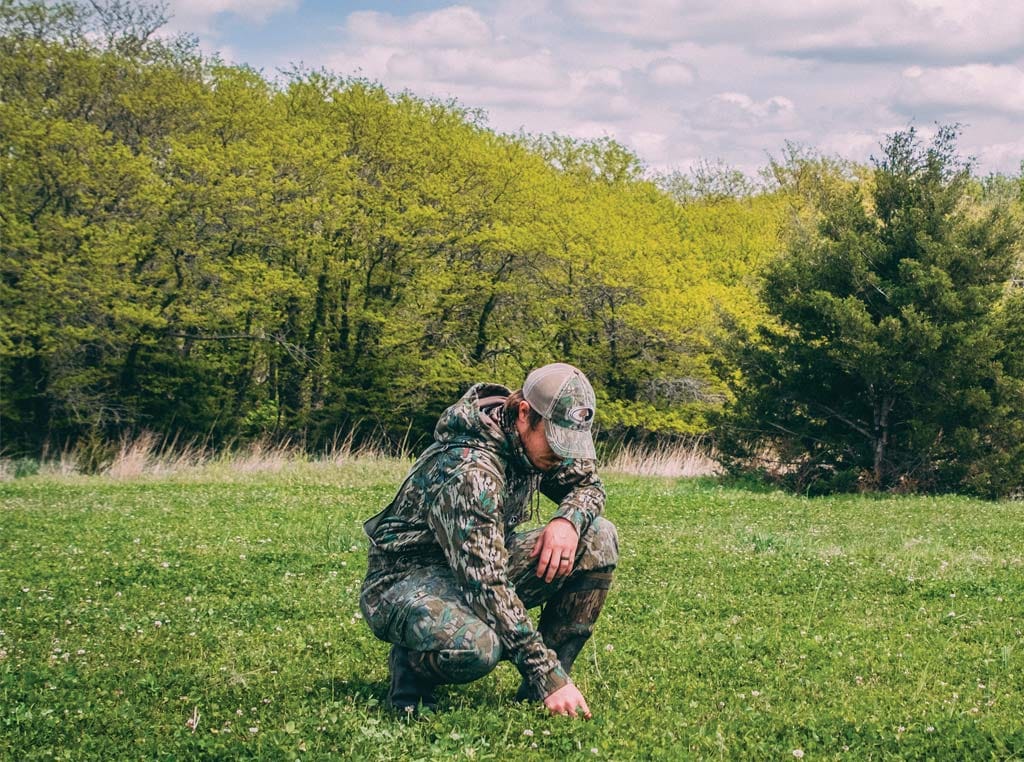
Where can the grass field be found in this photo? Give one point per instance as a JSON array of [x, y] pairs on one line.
[[214, 615]]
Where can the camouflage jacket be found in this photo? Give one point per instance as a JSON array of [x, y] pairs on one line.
[[462, 499]]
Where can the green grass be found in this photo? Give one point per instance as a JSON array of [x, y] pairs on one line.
[[742, 624]]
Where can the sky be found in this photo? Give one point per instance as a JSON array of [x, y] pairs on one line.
[[677, 81]]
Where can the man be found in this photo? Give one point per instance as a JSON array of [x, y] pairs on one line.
[[449, 580]]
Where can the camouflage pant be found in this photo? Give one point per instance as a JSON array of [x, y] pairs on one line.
[[423, 608]]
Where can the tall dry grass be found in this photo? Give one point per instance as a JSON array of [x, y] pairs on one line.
[[148, 454], [681, 459]]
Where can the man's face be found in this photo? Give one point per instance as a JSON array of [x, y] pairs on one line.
[[534, 442]]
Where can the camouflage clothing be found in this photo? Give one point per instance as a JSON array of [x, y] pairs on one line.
[[449, 577]]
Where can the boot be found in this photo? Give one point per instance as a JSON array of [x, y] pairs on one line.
[[409, 690]]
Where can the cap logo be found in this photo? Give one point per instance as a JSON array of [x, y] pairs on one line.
[[581, 414]]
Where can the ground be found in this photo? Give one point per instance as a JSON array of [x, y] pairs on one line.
[[214, 614]]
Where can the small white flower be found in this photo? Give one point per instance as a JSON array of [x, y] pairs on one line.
[[166, 565], [254, 730], [158, 623], [533, 745], [929, 729], [901, 729], [609, 648], [80, 652], [755, 694], [593, 750], [798, 753], [527, 732]]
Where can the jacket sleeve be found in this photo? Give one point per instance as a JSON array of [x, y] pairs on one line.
[[577, 489], [466, 518]]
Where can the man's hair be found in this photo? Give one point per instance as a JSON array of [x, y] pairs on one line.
[[511, 410]]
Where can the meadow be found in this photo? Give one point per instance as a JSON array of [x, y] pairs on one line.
[[213, 614]]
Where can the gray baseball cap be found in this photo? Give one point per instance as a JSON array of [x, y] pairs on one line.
[[565, 399]]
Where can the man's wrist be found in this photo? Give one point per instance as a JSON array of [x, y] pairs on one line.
[[549, 682], [573, 524]]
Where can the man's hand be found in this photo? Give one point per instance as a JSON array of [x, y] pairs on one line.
[[567, 700], [556, 548]]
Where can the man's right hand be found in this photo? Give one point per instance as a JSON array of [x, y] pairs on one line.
[[567, 700]]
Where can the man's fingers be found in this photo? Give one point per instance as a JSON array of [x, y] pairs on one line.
[[553, 569], [538, 546], [545, 562]]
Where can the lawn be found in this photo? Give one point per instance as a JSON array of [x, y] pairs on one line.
[[215, 615]]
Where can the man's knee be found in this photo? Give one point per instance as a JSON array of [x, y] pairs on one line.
[[601, 545], [478, 652]]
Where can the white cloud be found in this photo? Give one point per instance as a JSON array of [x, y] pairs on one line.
[[679, 80], [669, 72], [1008, 154], [604, 78], [940, 30], [454, 27], [734, 110], [976, 87], [198, 16], [459, 66]]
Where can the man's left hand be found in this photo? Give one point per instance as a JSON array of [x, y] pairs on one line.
[[556, 548]]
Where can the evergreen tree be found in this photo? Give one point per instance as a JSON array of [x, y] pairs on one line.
[[886, 367]]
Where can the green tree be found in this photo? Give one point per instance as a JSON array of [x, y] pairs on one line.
[[885, 364]]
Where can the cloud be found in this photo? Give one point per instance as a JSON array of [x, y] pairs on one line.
[[1008, 154], [975, 87], [198, 16], [454, 27], [679, 80], [459, 67], [669, 72], [871, 30], [733, 110]]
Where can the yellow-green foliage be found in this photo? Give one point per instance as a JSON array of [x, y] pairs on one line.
[[188, 246]]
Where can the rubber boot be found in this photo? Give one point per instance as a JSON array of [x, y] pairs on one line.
[[410, 691]]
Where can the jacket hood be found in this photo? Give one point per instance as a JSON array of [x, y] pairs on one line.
[[472, 423]]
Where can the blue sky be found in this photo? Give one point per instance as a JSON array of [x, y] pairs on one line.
[[678, 81]]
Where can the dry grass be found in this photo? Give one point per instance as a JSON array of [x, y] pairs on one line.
[[149, 455], [685, 458]]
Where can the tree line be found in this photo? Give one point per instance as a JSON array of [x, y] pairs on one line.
[[192, 248]]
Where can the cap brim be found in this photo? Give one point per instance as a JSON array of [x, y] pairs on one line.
[[569, 443]]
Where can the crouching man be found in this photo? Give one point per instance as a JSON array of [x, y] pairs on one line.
[[450, 580]]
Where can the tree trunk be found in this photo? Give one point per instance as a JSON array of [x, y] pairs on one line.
[[882, 410]]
